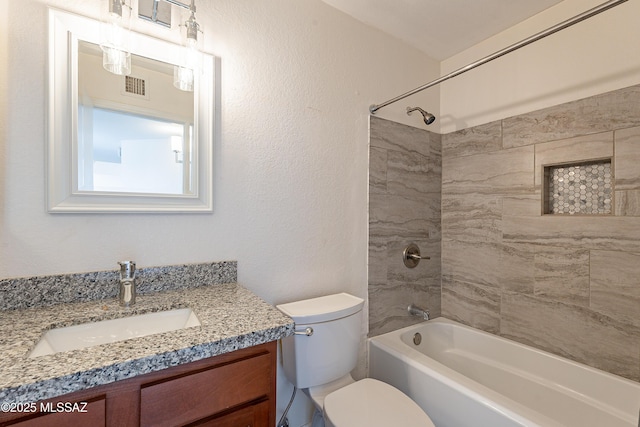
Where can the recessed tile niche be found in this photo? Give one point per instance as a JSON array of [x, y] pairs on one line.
[[583, 188]]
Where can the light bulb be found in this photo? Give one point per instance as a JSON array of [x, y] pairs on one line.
[[192, 55], [183, 78], [184, 74], [116, 61], [114, 39]]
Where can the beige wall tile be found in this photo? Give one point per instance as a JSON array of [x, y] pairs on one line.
[[573, 150], [571, 331], [502, 172], [413, 174], [404, 206], [472, 218], [395, 136], [477, 262], [400, 217], [471, 304], [479, 139], [561, 283], [609, 111], [627, 203], [378, 214], [586, 232], [377, 265], [522, 205], [562, 274], [615, 284], [412, 217], [377, 170], [627, 159], [517, 261], [388, 305]]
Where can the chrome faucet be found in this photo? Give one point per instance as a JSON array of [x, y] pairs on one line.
[[414, 310], [127, 296]]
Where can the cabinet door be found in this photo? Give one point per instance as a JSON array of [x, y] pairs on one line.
[[253, 416], [197, 396], [94, 417], [235, 389]]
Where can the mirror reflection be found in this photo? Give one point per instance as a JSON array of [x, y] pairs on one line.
[[135, 132]]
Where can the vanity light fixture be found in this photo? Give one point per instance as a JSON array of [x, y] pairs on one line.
[[114, 38], [186, 67], [183, 74]]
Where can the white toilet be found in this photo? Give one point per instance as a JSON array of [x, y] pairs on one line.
[[319, 358]]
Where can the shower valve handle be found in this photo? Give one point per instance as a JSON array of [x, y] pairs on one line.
[[411, 256]]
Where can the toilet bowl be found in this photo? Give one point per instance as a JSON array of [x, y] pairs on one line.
[[319, 357]]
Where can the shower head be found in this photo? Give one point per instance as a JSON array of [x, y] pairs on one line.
[[428, 117]]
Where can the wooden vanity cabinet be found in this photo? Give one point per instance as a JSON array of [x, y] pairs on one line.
[[236, 389], [94, 416]]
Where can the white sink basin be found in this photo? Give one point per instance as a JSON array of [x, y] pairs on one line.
[[96, 333]]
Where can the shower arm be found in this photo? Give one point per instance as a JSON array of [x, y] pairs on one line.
[[558, 27]]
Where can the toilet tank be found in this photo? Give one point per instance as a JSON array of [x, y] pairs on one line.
[[331, 351]]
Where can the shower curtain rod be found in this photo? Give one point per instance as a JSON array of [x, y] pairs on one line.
[[558, 27]]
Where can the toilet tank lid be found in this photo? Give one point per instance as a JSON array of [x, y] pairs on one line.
[[322, 309]]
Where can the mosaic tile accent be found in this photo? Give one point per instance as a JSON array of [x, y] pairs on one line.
[[581, 188]]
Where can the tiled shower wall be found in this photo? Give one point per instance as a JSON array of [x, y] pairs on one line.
[[404, 206], [568, 284]]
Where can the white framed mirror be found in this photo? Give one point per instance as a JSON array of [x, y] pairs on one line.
[[125, 143]]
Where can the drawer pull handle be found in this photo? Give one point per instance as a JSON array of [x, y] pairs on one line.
[[308, 332]]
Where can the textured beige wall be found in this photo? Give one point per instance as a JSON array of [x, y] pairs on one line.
[[404, 207], [566, 284]]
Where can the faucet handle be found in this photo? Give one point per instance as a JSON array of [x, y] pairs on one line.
[[127, 269], [411, 256]]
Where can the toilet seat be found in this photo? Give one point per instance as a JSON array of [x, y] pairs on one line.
[[372, 403]]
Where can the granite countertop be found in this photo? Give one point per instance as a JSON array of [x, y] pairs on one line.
[[231, 318]]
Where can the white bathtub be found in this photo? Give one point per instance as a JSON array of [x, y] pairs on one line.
[[465, 377]]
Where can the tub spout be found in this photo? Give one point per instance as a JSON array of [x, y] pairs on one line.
[[414, 310]]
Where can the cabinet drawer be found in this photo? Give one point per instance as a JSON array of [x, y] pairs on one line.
[[189, 398], [253, 416], [94, 417]]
